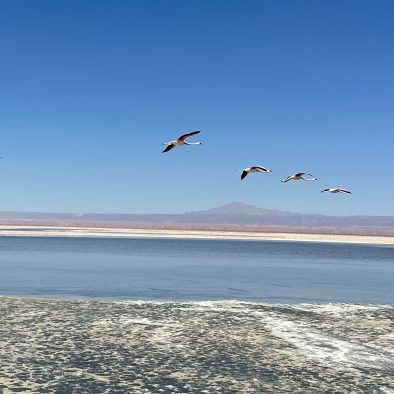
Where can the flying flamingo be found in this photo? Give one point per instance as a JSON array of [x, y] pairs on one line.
[[299, 176], [336, 190], [181, 141], [247, 171]]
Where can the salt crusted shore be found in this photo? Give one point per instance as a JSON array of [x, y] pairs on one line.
[[65, 346], [41, 231]]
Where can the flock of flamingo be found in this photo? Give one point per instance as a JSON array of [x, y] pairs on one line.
[[296, 177]]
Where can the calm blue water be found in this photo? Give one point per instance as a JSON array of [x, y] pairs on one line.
[[173, 269]]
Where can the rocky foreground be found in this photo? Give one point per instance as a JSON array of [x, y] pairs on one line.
[[49, 346]]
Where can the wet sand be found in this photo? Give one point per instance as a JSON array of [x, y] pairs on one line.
[[41, 231], [68, 346]]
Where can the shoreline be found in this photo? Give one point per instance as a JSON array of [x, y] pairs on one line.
[[230, 302], [100, 232]]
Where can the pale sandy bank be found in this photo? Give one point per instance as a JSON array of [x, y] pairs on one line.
[[40, 231]]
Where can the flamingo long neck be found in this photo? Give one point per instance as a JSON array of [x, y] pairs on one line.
[[192, 143]]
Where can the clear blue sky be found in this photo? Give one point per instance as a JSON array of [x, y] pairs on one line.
[[90, 89]]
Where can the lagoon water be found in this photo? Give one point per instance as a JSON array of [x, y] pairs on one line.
[[191, 269], [305, 330]]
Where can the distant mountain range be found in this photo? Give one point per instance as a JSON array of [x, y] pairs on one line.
[[239, 208], [233, 216]]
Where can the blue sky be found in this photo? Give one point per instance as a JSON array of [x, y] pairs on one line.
[[90, 90]]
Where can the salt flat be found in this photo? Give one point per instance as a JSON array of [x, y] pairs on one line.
[[72, 346], [41, 231]]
